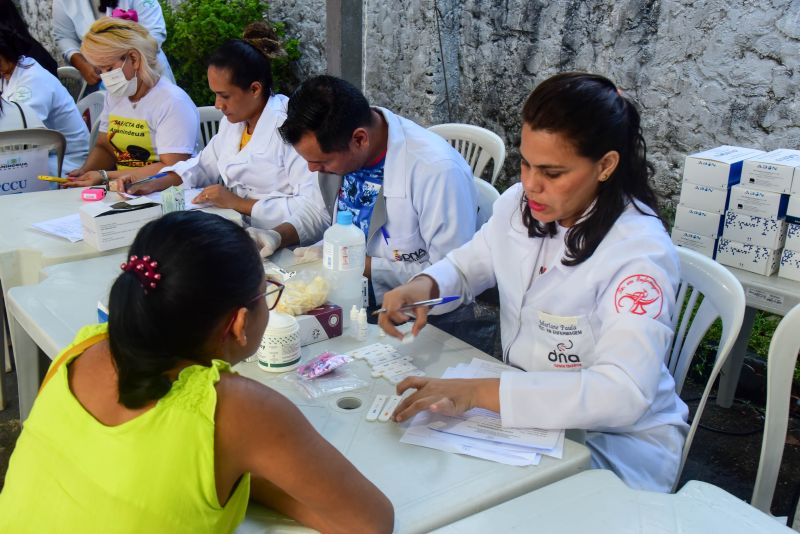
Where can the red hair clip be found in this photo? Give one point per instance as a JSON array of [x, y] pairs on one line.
[[145, 269]]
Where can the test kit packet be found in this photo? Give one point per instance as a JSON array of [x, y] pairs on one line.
[[707, 246], [793, 209], [757, 202], [108, 225], [790, 265], [704, 197], [774, 171], [792, 237], [718, 167], [759, 260], [759, 231], [697, 221], [319, 324]]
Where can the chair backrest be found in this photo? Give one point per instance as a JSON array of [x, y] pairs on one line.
[[71, 78], [209, 123], [487, 194], [91, 107], [723, 298], [477, 145], [20, 140], [781, 361]]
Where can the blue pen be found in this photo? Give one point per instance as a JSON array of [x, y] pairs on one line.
[[143, 180], [385, 234], [430, 302]]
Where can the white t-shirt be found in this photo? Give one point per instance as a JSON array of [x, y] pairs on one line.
[[30, 84], [164, 121]]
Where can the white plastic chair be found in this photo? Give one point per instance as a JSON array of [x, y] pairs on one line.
[[30, 138], [477, 145], [92, 105], [71, 78], [487, 194], [723, 297], [781, 360], [209, 123]]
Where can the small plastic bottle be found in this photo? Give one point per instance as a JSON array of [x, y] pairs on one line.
[[362, 324], [343, 257], [353, 328]]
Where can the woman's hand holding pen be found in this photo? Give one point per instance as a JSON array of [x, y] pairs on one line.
[[122, 185], [420, 288], [220, 197], [80, 178]]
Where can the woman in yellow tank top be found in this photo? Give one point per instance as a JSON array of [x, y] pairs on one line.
[[142, 426]]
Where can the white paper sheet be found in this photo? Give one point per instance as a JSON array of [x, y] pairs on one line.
[[67, 227]]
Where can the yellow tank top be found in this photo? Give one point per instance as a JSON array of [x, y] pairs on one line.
[[245, 138], [154, 473]]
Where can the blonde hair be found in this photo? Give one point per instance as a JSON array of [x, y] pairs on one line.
[[109, 39]]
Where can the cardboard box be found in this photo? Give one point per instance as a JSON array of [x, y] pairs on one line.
[[759, 203], [110, 224], [773, 171], [698, 221], [319, 324], [707, 246], [704, 197], [793, 209], [719, 167], [759, 231], [790, 265], [759, 260], [792, 236]]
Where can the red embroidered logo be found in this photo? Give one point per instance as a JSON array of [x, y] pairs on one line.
[[639, 294]]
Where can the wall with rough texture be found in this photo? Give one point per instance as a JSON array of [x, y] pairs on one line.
[[704, 72]]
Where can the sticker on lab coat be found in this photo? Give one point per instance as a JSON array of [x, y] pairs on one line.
[[639, 294], [563, 342]]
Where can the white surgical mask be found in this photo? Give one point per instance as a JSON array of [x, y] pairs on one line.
[[116, 84]]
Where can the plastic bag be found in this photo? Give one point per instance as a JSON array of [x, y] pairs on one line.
[[323, 364], [337, 381], [305, 291]]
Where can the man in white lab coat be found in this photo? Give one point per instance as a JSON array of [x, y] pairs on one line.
[[410, 192]]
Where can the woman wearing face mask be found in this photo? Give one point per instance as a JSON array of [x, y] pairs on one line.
[[587, 277], [264, 179], [147, 121]]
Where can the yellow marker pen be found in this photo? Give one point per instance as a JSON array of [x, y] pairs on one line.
[[53, 179]]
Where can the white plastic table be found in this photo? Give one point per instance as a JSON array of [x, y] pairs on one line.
[[768, 293], [598, 501], [428, 488], [24, 251]]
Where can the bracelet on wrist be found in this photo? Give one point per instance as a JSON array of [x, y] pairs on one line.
[[103, 177]]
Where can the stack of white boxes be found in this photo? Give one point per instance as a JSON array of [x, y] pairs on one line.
[[707, 181], [790, 259]]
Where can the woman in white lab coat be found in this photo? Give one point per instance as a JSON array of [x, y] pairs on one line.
[[24, 81], [587, 277], [73, 18], [263, 178]]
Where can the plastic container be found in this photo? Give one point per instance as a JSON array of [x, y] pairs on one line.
[[343, 256], [279, 350]]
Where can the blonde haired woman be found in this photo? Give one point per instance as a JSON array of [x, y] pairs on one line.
[[147, 121]]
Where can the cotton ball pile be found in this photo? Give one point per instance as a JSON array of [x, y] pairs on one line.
[[301, 295]]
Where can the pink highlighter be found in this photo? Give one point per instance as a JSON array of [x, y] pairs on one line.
[[91, 194]]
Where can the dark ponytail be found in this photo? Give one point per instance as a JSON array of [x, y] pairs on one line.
[[591, 112], [249, 59], [209, 266]]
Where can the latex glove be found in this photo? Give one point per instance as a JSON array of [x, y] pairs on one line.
[[307, 254], [268, 241]]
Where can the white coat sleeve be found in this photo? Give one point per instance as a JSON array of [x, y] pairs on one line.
[[201, 170], [445, 204], [303, 207], [152, 18], [67, 39], [621, 385]]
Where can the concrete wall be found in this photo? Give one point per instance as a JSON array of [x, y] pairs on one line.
[[704, 72]]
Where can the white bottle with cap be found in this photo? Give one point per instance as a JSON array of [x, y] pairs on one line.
[[343, 257]]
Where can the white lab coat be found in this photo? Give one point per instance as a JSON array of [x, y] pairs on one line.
[[427, 208], [266, 169], [72, 19], [592, 337], [17, 118], [36, 88]]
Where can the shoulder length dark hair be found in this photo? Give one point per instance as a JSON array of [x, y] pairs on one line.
[[592, 114], [209, 267]]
